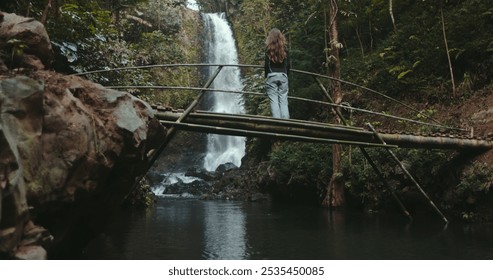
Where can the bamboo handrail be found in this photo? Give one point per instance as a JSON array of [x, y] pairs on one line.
[[292, 98], [260, 66]]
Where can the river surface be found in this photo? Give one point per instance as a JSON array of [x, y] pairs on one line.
[[178, 229]]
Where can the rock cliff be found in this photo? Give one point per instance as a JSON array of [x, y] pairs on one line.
[[70, 150]]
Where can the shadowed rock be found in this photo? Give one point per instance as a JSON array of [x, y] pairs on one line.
[[29, 32], [71, 150]]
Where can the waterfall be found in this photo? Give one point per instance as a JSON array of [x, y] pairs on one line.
[[221, 49]]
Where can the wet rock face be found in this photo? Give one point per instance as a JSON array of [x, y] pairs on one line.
[[67, 143]]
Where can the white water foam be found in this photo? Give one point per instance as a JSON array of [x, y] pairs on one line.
[[170, 179]]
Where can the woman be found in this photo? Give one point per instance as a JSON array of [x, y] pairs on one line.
[[276, 73]]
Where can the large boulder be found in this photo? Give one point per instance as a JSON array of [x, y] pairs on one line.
[[71, 151]]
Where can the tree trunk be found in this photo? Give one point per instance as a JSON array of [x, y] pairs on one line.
[[335, 190], [44, 16]]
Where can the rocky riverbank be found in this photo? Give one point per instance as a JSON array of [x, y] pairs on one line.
[[71, 149]]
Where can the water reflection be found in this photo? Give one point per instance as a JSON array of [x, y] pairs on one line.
[[195, 229], [225, 231]]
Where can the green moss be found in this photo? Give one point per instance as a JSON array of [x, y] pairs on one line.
[[141, 197]]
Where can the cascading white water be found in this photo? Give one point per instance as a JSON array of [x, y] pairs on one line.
[[221, 49]]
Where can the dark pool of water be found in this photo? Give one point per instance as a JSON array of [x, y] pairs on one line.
[[195, 229]]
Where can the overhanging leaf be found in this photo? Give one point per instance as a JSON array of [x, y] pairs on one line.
[[401, 75]]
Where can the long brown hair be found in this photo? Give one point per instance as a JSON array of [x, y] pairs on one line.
[[276, 46]]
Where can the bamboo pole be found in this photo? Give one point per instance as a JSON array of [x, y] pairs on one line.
[[403, 168], [402, 140], [268, 124], [436, 142], [250, 121], [268, 119], [386, 185], [254, 133], [320, 130]]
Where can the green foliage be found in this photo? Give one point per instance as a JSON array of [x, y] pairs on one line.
[[129, 33], [158, 48], [78, 30], [109, 55], [76, 23], [471, 198], [141, 197], [302, 159], [85, 36], [477, 179], [362, 181], [298, 108], [256, 104], [251, 28], [471, 47], [415, 56], [425, 165], [164, 15], [171, 40], [16, 49]]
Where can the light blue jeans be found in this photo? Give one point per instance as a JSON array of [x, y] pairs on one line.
[[277, 90]]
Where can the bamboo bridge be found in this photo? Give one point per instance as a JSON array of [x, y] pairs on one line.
[[306, 131], [309, 131], [302, 130]]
